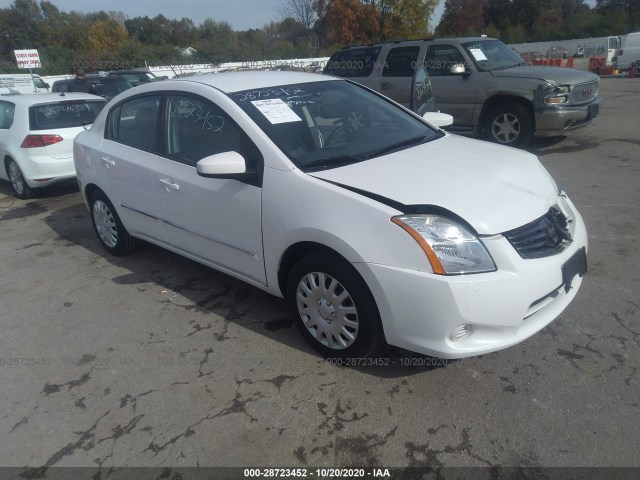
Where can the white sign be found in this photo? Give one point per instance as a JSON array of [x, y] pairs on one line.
[[28, 58], [276, 111], [478, 54]]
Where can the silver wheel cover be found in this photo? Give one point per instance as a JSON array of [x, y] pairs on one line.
[[327, 310], [17, 180], [505, 128], [105, 224]]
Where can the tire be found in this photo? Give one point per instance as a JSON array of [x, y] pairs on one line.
[[108, 226], [509, 124], [19, 185], [333, 307]]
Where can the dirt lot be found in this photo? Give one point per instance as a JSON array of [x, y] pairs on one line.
[[154, 360]]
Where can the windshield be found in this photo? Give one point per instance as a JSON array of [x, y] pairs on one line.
[[491, 55], [324, 124]]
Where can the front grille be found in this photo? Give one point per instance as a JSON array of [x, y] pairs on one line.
[[584, 92], [543, 237]]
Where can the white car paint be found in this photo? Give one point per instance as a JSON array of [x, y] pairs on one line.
[[247, 230], [40, 166]]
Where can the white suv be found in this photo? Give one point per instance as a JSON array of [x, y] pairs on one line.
[[372, 223], [36, 137]]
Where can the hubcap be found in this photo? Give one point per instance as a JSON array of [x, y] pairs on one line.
[[506, 128], [17, 181], [327, 310], [105, 224]]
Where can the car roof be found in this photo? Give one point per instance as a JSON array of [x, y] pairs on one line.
[[428, 40], [229, 82], [463, 39], [40, 98], [133, 70]]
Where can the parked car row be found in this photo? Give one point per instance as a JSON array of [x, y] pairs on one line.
[[484, 84], [37, 130]]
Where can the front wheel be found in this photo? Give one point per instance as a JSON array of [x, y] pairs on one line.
[[108, 226], [333, 307], [509, 124], [18, 183]]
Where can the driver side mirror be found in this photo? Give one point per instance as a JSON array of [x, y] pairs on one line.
[[459, 69], [230, 166], [227, 163], [438, 119]]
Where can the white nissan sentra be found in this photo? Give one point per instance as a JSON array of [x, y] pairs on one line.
[[375, 225]]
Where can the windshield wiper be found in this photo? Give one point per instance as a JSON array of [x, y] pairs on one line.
[[504, 67], [396, 146], [333, 162]]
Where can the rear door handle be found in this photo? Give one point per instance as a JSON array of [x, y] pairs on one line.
[[108, 162], [169, 185], [385, 86]]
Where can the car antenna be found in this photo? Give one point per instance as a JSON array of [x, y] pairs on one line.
[[62, 94]]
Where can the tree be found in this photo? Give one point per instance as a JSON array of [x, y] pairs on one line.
[[462, 18], [343, 22], [107, 36], [24, 26], [498, 13], [216, 41], [408, 19], [302, 11], [548, 23]]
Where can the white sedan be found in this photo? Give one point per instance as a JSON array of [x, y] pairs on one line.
[[36, 137], [373, 224]]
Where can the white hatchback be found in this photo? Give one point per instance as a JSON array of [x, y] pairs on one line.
[[36, 137], [373, 224]]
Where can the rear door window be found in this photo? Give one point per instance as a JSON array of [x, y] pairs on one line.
[[64, 114], [135, 122], [354, 62], [401, 62]]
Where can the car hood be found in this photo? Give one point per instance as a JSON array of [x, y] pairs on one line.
[[492, 187], [556, 75]]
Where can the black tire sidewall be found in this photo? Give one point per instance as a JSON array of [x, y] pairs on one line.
[[524, 119], [123, 239], [370, 336], [28, 192]]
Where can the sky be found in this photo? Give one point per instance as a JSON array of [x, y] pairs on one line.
[[241, 14]]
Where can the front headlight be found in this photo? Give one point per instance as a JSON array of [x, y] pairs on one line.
[[450, 247], [559, 95]]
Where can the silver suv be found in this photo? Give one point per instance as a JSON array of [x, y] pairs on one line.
[[487, 88]]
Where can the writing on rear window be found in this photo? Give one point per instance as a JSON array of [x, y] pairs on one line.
[[64, 115]]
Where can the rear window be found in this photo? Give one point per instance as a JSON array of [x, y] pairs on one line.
[[355, 62], [64, 114]]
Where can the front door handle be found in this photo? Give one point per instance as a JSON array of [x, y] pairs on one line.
[[385, 86], [108, 162], [169, 185]]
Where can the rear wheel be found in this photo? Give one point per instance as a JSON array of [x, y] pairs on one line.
[[108, 226], [333, 307], [19, 185], [509, 124]]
